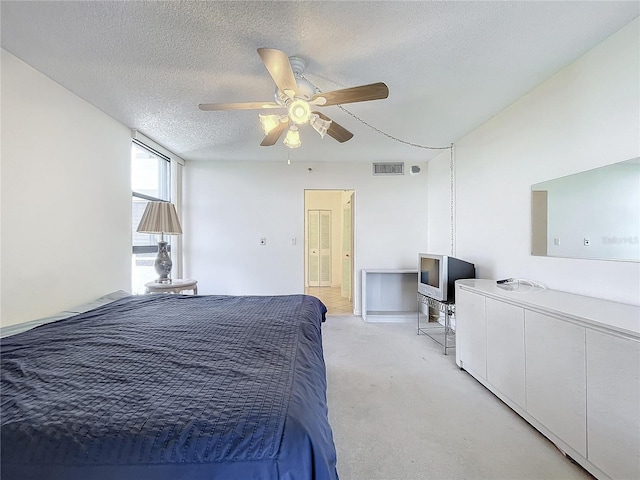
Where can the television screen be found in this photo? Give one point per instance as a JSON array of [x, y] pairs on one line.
[[430, 271]]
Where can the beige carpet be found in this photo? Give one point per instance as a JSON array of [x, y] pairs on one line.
[[400, 409]]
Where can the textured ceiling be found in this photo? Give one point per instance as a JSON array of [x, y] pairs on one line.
[[449, 65]]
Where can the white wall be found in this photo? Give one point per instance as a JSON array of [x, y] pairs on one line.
[[585, 116], [66, 197], [228, 206]]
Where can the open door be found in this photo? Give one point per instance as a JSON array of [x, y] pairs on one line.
[[347, 245]]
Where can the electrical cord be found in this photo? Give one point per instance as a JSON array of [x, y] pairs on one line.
[[375, 129], [530, 282], [516, 283], [412, 144]]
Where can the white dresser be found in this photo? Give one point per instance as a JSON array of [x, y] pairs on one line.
[[568, 364]]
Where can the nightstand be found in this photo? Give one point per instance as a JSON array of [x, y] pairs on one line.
[[176, 286]]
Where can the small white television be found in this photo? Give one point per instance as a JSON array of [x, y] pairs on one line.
[[437, 275]]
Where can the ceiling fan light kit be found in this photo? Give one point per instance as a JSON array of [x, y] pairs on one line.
[[269, 122], [319, 125], [292, 140], [297, 96], [299, 111]]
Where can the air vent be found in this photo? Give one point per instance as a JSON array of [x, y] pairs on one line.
[[390, 168]]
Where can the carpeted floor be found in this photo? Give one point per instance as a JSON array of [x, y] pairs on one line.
[[400, 409]]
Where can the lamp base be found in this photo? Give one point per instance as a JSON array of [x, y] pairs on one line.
[[163, 263]]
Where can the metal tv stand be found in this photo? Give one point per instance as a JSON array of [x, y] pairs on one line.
[[442, 334]]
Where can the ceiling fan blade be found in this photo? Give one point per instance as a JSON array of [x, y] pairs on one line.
[[209, 107], [272, 137], [336, 131], [373, 91], [277, 63]]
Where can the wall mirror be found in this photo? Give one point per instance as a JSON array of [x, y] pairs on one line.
[[593, 214]]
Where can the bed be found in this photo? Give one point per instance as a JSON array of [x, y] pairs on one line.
[[170, 387]]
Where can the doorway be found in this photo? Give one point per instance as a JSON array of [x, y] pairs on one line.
[[328, 248]]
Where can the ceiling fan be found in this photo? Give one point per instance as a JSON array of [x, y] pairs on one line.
[[295, 94]]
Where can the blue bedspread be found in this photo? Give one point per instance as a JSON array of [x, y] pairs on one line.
[[170, 387]]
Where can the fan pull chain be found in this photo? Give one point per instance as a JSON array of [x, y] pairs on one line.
[[417, 145]]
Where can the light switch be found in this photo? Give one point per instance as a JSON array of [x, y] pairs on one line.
[[263, 241]]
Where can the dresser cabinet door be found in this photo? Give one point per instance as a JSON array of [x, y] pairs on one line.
[[556, 378], [613, 404], [471, 333], [505, 349]]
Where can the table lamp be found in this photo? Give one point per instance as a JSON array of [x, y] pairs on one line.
[[161, 217]]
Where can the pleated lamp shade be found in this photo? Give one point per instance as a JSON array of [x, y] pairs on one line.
[[160, 217]]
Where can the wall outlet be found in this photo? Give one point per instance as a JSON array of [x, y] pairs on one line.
[[263, 241], [587, 242]]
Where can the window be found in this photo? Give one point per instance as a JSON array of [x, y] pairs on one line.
[[150, 181]]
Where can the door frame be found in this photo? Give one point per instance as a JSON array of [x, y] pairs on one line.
[[353, 234]]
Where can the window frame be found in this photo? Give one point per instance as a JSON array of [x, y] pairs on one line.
[[166, 191]]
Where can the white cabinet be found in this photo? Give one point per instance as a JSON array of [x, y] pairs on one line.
[[505, 349], [556, 378], [389, 295], [613, 404], [471, 330], [568, 364]]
